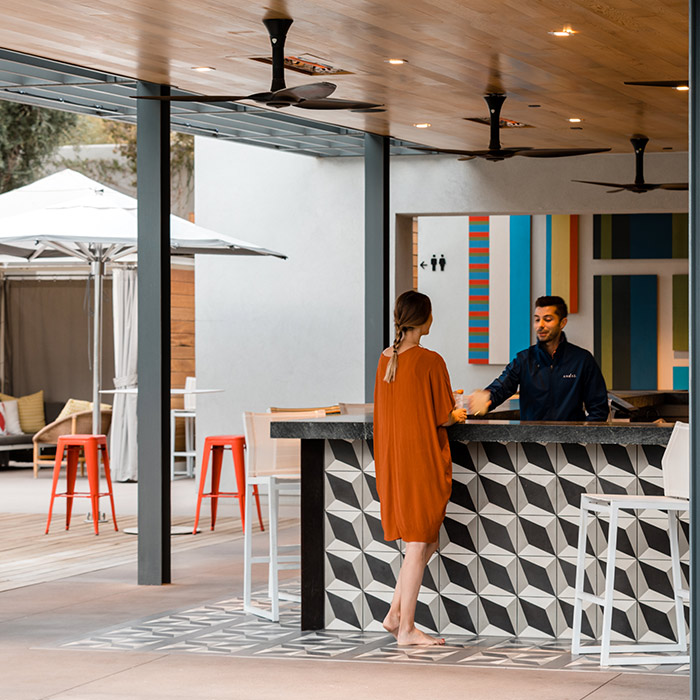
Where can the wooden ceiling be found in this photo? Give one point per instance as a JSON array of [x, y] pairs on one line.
[[456, 50]]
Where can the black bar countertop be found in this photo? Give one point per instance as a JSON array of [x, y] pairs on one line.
[[361, 427]]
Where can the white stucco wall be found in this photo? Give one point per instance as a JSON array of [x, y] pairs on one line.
[[269, 331], [290, 333]]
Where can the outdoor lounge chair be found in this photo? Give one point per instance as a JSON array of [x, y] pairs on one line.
[[73, 424]]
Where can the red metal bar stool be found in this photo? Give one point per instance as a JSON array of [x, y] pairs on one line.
[[215, 445], [91, 445]]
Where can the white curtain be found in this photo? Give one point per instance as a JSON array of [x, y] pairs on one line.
[[123, 444]]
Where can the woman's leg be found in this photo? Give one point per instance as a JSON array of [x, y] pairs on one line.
[[400, 618]]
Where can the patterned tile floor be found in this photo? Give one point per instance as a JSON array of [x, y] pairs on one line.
[[221, 627]]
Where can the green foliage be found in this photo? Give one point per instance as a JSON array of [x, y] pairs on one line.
[[29, 137]]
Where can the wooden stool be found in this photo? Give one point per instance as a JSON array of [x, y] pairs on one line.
[[91, 445], [216, 444]]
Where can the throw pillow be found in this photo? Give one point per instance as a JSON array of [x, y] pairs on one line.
[[78, 406], [10, 412], [31, 411]]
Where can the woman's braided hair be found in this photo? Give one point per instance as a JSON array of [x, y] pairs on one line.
[[412, 309]]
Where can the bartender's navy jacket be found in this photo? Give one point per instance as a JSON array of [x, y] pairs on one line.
[[554, 388]]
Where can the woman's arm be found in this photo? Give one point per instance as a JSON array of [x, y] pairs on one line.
[[458, 415]]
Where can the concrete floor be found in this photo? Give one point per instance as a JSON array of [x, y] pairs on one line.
[[35, 618]]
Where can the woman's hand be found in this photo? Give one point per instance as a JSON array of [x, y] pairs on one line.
[[458, 415], [478, 402]]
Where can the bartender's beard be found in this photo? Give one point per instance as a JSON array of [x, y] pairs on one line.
[[549, 336]]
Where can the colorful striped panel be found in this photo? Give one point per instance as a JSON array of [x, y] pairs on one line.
[[681, 378], [479, 290], [680, 313], [625, 330], [499, 287], [621, 236], [562, 258]]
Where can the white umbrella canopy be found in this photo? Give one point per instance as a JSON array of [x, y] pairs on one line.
[[97, 225]]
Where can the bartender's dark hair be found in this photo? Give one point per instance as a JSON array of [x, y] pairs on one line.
[[562, 311], [412, 309]]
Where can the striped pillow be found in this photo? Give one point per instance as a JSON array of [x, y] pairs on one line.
[[31, 411]]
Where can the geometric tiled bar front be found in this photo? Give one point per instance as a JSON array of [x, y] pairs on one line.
[[507, 556]]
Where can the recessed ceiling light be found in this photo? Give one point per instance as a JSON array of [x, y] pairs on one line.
[[534, 105], [683, 88], [396, 61], [565, 31], [578, 128], [668, 148], [202, 69], [575, 120], [423, 125]]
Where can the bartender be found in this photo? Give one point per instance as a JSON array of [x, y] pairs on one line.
[[558, 380]]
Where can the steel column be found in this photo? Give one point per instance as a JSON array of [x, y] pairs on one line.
[[153, 173], [377, 302], [694, 327]]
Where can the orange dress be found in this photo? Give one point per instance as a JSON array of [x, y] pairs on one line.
[[411, 450]]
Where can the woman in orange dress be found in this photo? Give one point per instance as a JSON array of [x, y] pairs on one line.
[[413, 403]]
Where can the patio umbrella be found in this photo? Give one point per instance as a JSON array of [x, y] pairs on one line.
[[98, 228]]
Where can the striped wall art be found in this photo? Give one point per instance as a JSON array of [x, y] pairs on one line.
[[625, 330], [562, 258], [499, 287], [619, 236]]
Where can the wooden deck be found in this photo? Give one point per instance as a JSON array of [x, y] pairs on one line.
[[29, 556]]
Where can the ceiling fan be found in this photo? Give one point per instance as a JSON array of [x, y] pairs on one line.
[[495, 152], [311, 96], [639, 142], [677, 84]]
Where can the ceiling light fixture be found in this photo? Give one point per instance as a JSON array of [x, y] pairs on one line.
[[575, 120], [423, 125], [202, 69], [566, 31], [396, 61], [683, 88]]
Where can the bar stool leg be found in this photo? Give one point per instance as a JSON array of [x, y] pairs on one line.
[[609, 587], [108, 477], [216, 461], [247, 548], [56, 473], [92, 458], [71, 474], [202, 482], [676, 577], [172, 445], [237, 452], [580, 576], [273, 570]]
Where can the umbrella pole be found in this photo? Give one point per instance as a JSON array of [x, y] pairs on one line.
[[98, 273]]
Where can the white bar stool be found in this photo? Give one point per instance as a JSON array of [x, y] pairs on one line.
[[273, 464], [188, 413], [676, 475]]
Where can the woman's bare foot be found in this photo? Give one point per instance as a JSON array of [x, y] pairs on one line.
[[391, 623], [417, 638]]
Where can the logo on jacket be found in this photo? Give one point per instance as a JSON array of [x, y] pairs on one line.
[[569, 376]]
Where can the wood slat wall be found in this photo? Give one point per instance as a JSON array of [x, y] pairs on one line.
[[181, 338]]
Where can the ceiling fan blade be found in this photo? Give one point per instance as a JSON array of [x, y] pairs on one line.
[[193, 98], [312, 91], [659, 83], [560, 152], [602, 184], [331, 103], [370, 110], [467, 158], [622, 189], [674, 186]]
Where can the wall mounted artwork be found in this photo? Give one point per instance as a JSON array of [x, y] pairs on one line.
[[625, 330], [499, 287], [627, 236], [562, 258]]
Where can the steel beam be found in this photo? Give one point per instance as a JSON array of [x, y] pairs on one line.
[[153, 175], [694, 328], [377, 302]]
